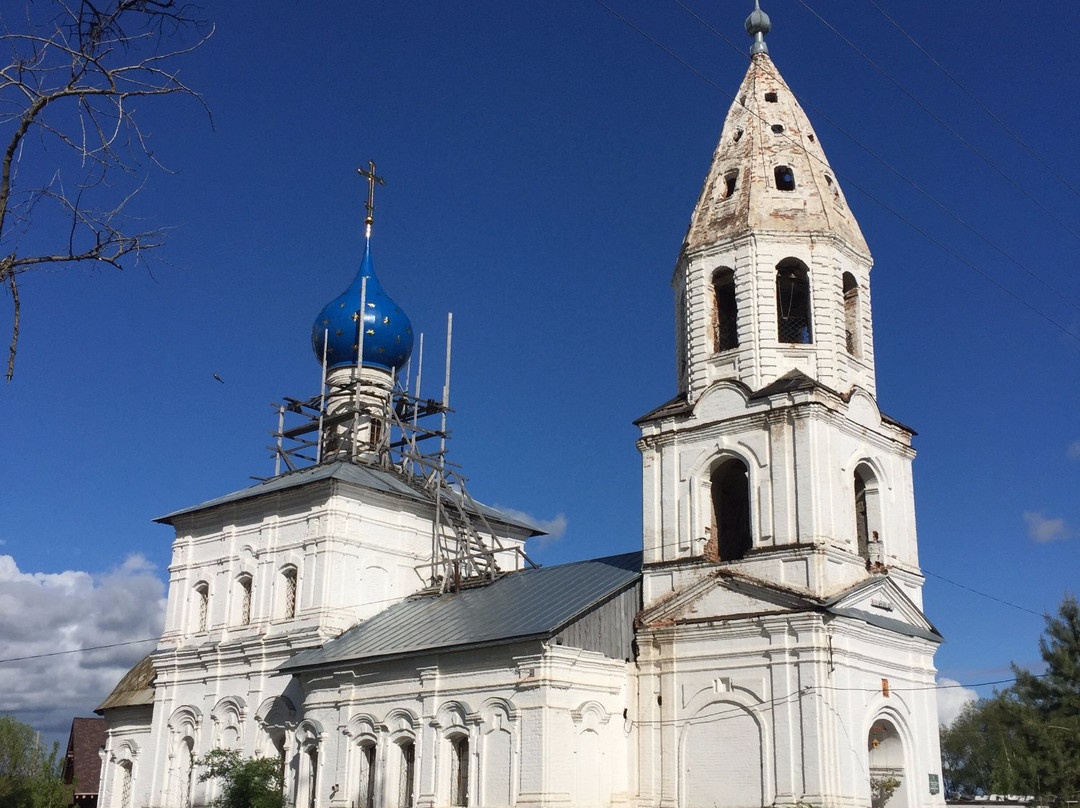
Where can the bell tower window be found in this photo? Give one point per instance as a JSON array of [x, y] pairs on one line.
[[793, 303], [851, 313], [726, 324], [867, 512], [202, 606], [731, 181], [785, 178], [730, 484]]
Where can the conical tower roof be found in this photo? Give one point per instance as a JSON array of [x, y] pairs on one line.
[[769, 172]]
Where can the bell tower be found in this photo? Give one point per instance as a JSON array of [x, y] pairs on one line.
[[784, 656], [774, 455]]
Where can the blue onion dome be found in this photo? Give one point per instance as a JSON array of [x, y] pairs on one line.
[[388, 336]]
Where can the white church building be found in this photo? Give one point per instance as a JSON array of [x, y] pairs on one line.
[[361, 618]]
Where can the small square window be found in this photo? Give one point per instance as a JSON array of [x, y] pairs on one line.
[[770, 97]]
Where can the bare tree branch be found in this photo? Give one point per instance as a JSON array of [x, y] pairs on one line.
[[74, 68]]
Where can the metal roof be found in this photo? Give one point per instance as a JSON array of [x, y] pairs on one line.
[[531, 603], [136, 689], [370, 477]]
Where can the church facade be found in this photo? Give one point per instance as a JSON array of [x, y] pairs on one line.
[[364, 621]]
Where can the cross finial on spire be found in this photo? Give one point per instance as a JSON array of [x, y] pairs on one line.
[[372, 179], [757, 25]]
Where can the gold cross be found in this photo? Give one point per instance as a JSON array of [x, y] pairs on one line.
[[372, 179]]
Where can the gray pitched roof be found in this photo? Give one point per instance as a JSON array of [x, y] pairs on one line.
[[533, 603], [370, 477]]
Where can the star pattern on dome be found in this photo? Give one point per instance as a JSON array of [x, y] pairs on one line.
[[387, 333]]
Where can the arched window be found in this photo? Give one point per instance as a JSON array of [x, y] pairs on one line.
[[307, 789], [793, 302], [202, 605], [731, 182], [867, 513], [367, 776], [406, 774], [833, 187], [730, 484], [851, 313], [287, 599], [185, 770], [726, 334], [125, 783], [459, 770], [785, 178], [243, 592]]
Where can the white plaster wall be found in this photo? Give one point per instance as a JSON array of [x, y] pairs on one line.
[[760, 358], [537, 717], [801, 451], [800, 693]]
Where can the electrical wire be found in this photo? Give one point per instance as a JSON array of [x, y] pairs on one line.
[[1059, 175], [952, 131], [848, 181]]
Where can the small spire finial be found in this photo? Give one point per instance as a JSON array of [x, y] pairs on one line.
[[757, 25], [372, 179]]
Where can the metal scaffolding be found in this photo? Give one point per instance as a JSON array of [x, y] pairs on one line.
[[401, 433]]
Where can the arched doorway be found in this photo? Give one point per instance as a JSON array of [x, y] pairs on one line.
[[888, 775]]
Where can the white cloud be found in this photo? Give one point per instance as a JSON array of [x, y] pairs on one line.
[[951, 698], [42, 613], [1042, 529], [1073, 451], [555, 528]]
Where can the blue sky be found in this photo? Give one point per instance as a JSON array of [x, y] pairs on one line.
[[541, 164]]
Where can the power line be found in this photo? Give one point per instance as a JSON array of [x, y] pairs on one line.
[[86, 649], [952, 131], [1058, 174], [851, 183], [981, 594]]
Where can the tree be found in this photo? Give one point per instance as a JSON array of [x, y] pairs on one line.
[[246, 782], [73, 147], [1025, 740], [30, 777]]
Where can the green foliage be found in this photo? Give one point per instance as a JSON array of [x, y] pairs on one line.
[[30, 777], [882, 789], [1026, 740], [246, 782]]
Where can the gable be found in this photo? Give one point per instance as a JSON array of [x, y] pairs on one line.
[[727, 594], [881, 602]]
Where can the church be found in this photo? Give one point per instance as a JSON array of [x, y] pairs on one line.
[[361, 618]]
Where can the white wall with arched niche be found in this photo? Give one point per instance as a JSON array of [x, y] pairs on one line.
[[184, 740], [275, 719], [309, 764], [498, 754], [720, 749], [592, 767], [228, 722]]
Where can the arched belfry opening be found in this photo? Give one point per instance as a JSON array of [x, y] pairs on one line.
[[851, 314], [867, 512], [726, 314], [793, 302], [730, 488]]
